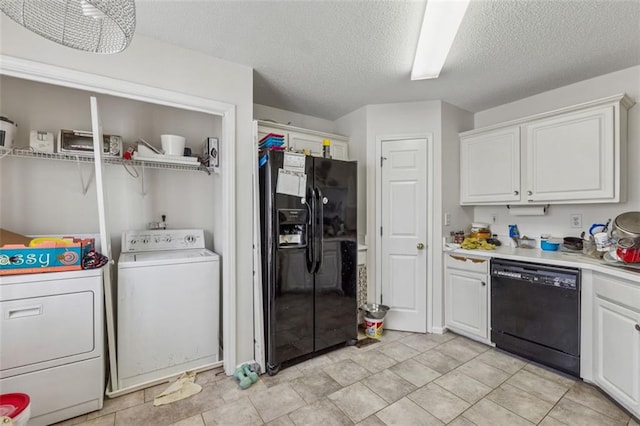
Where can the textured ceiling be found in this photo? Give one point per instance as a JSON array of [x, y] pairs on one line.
[[328, 58]]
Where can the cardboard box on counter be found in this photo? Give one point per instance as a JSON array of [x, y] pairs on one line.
[[23, 255]]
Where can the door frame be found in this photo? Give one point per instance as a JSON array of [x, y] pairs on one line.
[[66, 77], [428, 137]]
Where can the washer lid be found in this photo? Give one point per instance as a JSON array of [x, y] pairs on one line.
[[12, 404], [167, 257]]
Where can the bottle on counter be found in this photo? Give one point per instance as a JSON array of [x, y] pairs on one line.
[[326, 148]]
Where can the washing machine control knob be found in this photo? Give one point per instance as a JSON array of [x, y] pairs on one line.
[[167, 238], [190, 239], [145, 240]]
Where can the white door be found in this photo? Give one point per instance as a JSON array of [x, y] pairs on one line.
[[404, 233]]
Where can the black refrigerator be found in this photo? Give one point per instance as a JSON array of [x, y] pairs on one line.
[[308, 209]]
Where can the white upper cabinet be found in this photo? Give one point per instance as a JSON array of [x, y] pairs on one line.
[[572, 157], [567, 156], [490, 166], [303, 140]]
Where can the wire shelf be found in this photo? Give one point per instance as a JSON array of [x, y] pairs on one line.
[[77, 158]]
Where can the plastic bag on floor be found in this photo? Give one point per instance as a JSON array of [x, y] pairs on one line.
[[182, 388]]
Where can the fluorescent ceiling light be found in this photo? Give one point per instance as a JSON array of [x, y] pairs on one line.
[[440, 25]]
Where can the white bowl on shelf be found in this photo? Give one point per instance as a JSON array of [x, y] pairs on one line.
[[173, 144]]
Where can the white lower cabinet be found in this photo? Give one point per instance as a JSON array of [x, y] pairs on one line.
[[616, 339], [467, 296]]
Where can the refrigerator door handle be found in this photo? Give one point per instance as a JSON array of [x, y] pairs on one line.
[[320, 202], [310, 254]]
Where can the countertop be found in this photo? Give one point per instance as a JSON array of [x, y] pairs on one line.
[[560, 258]]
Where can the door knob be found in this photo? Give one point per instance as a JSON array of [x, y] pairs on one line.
[[638, 327], [420, 246]]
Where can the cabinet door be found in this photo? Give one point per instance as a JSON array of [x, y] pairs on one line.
[[617, 352], [571, 157], [339, 150], [490, 167], [466, 303], [301, 141]]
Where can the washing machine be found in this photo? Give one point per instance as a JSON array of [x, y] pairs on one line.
[[168, 319]]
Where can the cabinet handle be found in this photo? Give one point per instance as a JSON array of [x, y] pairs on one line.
[[638, 327], [483, 283], [529, 192], [516, 192]]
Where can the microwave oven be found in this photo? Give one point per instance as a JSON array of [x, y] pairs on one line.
[[81, 142]]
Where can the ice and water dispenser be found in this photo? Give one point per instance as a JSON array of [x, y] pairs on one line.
[[292, 228]]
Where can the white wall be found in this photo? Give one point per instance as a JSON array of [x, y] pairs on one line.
[[281, 116], [556, 221], [158, 64], [354, 125]]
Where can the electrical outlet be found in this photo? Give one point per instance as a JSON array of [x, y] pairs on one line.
[[575, 220], [494, 217], [447, 219]]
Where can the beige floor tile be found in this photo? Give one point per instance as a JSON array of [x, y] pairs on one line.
[[276, 401], [398, 351], [374, 360], [73, 421], [439, 402], [230, 390], [508, 363], [357, 401], [191, 421], [310, 366], [111, 405], [285, 375], [419, 342], [572, 413], [415, 372], [406, 412], [474, 345], [346, 372], [538, 386], [393, 335], [459, 349], [550, 421], [520, 402], [437, 361], [484, 373], [441, 338], [238, 412], [461, 421], [210, 376], [463, 386], [371, 421], [343, 353], [281, 421], [388, 385], [313, 388], [487, 413], [147, 414], [555, 376], [107, 420], [321, 413], [634, 422], [593, 398]]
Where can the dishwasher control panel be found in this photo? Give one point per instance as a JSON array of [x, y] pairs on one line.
[[536, 274]]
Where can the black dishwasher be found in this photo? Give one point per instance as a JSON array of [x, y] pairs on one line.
[[535, 312]]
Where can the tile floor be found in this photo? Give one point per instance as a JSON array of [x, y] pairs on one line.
[[405, 379]]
